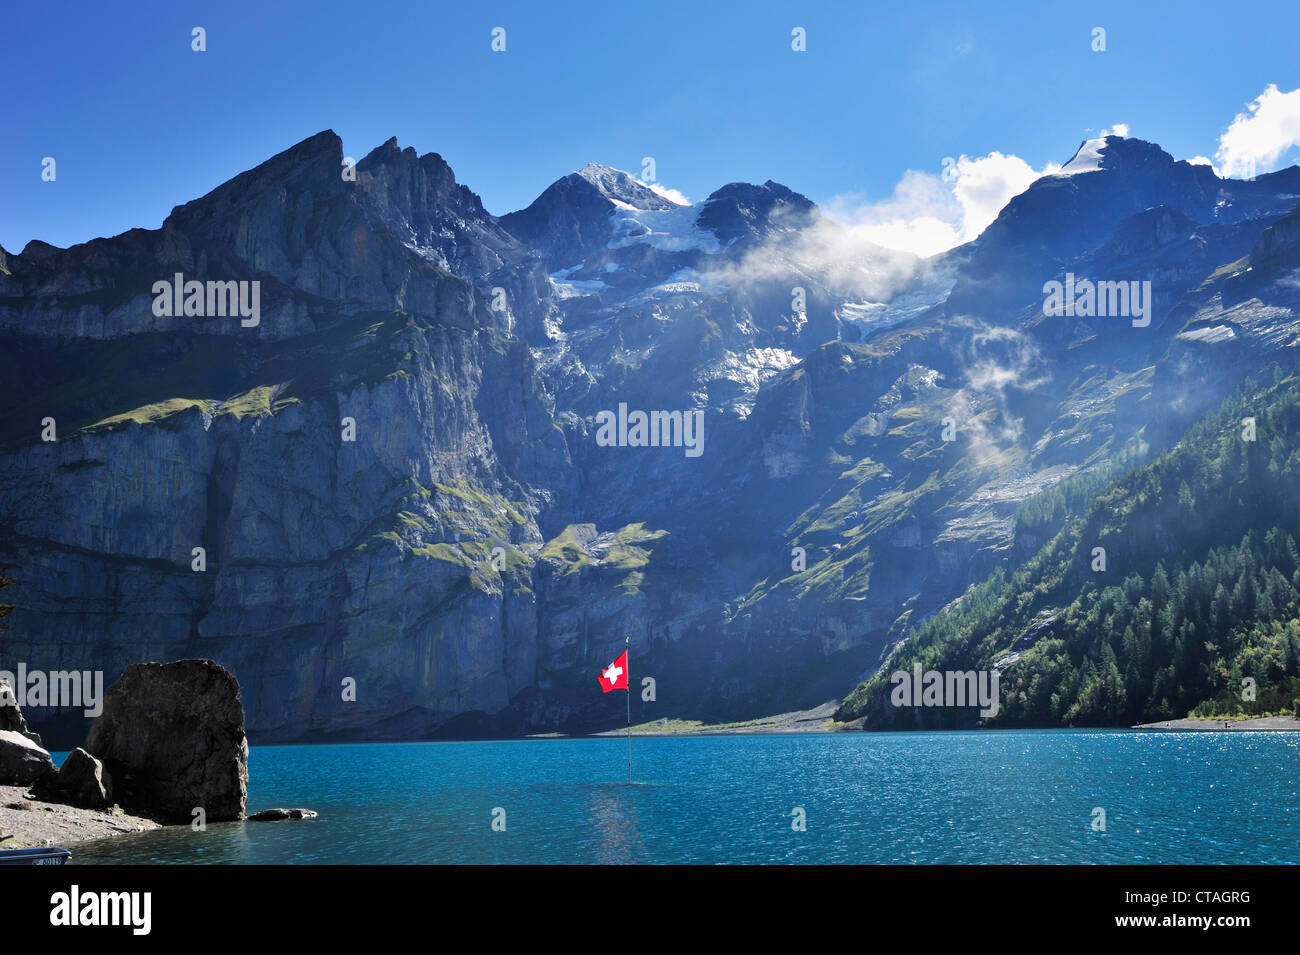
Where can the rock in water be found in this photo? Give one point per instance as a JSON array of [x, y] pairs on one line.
[[22, 762], [82, 781], [277, 815], [172, 737]]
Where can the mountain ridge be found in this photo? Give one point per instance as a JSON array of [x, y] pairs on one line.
[[472, 552]]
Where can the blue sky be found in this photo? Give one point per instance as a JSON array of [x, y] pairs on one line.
[[138, 123]]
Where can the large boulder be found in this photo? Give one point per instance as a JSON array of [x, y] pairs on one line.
[[172, 737], [22, 762], [82, 781], [11, 717]]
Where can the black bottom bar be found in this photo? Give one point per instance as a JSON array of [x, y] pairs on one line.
[[570, 905]]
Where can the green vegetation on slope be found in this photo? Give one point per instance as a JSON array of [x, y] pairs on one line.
[[256, 402], [460, 523], [1201, 588], [569, 553]]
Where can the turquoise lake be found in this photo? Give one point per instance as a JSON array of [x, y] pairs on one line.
[[1005, 797]]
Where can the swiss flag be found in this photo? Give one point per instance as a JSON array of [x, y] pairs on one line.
[[614, 676]]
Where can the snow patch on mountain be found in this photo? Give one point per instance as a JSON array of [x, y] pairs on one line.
[[1215, 333], [566, 287], [748, 369], [681, 282], [900, 307], [1087, 159], [624, 189], [669, 230]]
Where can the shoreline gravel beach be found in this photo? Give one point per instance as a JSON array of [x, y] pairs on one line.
[[1272, 723], [33, 823]]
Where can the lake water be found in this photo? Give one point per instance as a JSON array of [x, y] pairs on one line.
[[1005, 797]]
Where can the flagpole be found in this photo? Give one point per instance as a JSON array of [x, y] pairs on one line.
[[628, 646]]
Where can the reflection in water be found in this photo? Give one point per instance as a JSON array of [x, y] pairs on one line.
[[616, 836]]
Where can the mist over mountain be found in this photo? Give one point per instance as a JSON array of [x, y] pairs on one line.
[[396, 474]]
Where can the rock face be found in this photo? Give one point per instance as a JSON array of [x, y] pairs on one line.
[[22, 762], [11, 717], [172, 738], [81, 781]]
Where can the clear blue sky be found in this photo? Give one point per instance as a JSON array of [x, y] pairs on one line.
[[138, 123]]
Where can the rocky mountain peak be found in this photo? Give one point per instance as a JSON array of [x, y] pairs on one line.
[[421, 203], [1115, 152], [434, 171], [572, 217], [742, 209], [1066, 215], [622, 187], [311, 165]]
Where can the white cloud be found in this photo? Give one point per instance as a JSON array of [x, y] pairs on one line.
[[1119, 129], [1255, 141], [998, 360], [867, 250], [928, 213], [1201, 161], [672, 195], [987, 184], [828, 255]]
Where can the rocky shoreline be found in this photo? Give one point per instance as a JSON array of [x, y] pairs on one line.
[[819, 719], [1276, 724], [27, 823], [168, 747]]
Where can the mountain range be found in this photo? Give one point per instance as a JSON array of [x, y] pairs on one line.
[[395, 477]]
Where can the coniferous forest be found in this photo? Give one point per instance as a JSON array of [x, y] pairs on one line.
[[1175, 623]]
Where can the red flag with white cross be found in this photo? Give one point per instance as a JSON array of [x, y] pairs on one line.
[[614, 676]]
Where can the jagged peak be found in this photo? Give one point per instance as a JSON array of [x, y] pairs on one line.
[[1112, 151], [315, 159], [390, 151], [394, 169], [622, 187], [600, 175], [1089, 157], [325, 144], [595, 169]]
